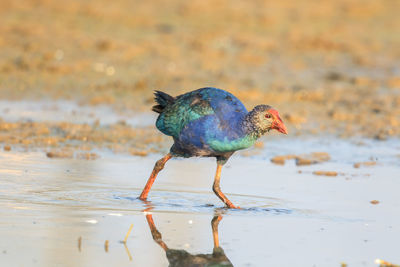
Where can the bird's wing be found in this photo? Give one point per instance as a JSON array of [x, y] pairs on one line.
[[226, 109], [186, 108]]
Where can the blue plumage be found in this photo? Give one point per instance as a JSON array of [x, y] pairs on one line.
[[204, 122]]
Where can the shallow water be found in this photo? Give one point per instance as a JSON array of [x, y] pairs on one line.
[[287, 218]]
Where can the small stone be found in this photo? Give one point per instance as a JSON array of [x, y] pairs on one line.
[[88, 156], [326, 173], [136, 152], [334, 76], [365, 163], [59, 154], [303, 161], [278, 160]]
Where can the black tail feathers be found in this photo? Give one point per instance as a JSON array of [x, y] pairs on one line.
[[163, 100]]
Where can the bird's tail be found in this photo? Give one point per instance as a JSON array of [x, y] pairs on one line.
[[163, 100]]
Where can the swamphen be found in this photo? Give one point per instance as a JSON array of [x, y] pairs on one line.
[[209, 122]]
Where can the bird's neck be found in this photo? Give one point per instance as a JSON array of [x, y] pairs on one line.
[[250, 128], [243, 137]]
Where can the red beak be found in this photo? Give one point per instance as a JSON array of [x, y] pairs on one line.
[[278, 123], [279, 126]]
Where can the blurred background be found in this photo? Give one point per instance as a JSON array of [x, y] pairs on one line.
[[76, 84], [327, 66]]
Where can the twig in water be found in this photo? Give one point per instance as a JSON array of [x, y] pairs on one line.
[[127, 234], [106, 246], [128, 252]]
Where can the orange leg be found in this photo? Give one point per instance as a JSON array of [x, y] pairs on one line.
[[155, 233], [214, 226], [157, 168], [217, 189]]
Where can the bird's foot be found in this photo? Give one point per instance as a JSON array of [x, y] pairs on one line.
[[231, 206]]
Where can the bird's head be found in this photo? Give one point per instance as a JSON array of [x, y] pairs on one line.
[[264, 118]]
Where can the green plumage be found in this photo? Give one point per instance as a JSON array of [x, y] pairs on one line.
[[227, 145], [185, 109]]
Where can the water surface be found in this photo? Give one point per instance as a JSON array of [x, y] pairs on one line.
[[288, 218]]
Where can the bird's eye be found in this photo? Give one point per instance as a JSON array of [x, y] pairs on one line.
[[268, 116]]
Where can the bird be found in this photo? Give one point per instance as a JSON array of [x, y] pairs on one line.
[[209, 122]]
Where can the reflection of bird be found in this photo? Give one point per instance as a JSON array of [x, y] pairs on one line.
[[182, 258], [210, 122]]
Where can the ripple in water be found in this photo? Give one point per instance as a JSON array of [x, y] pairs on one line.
[[199, 202]]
